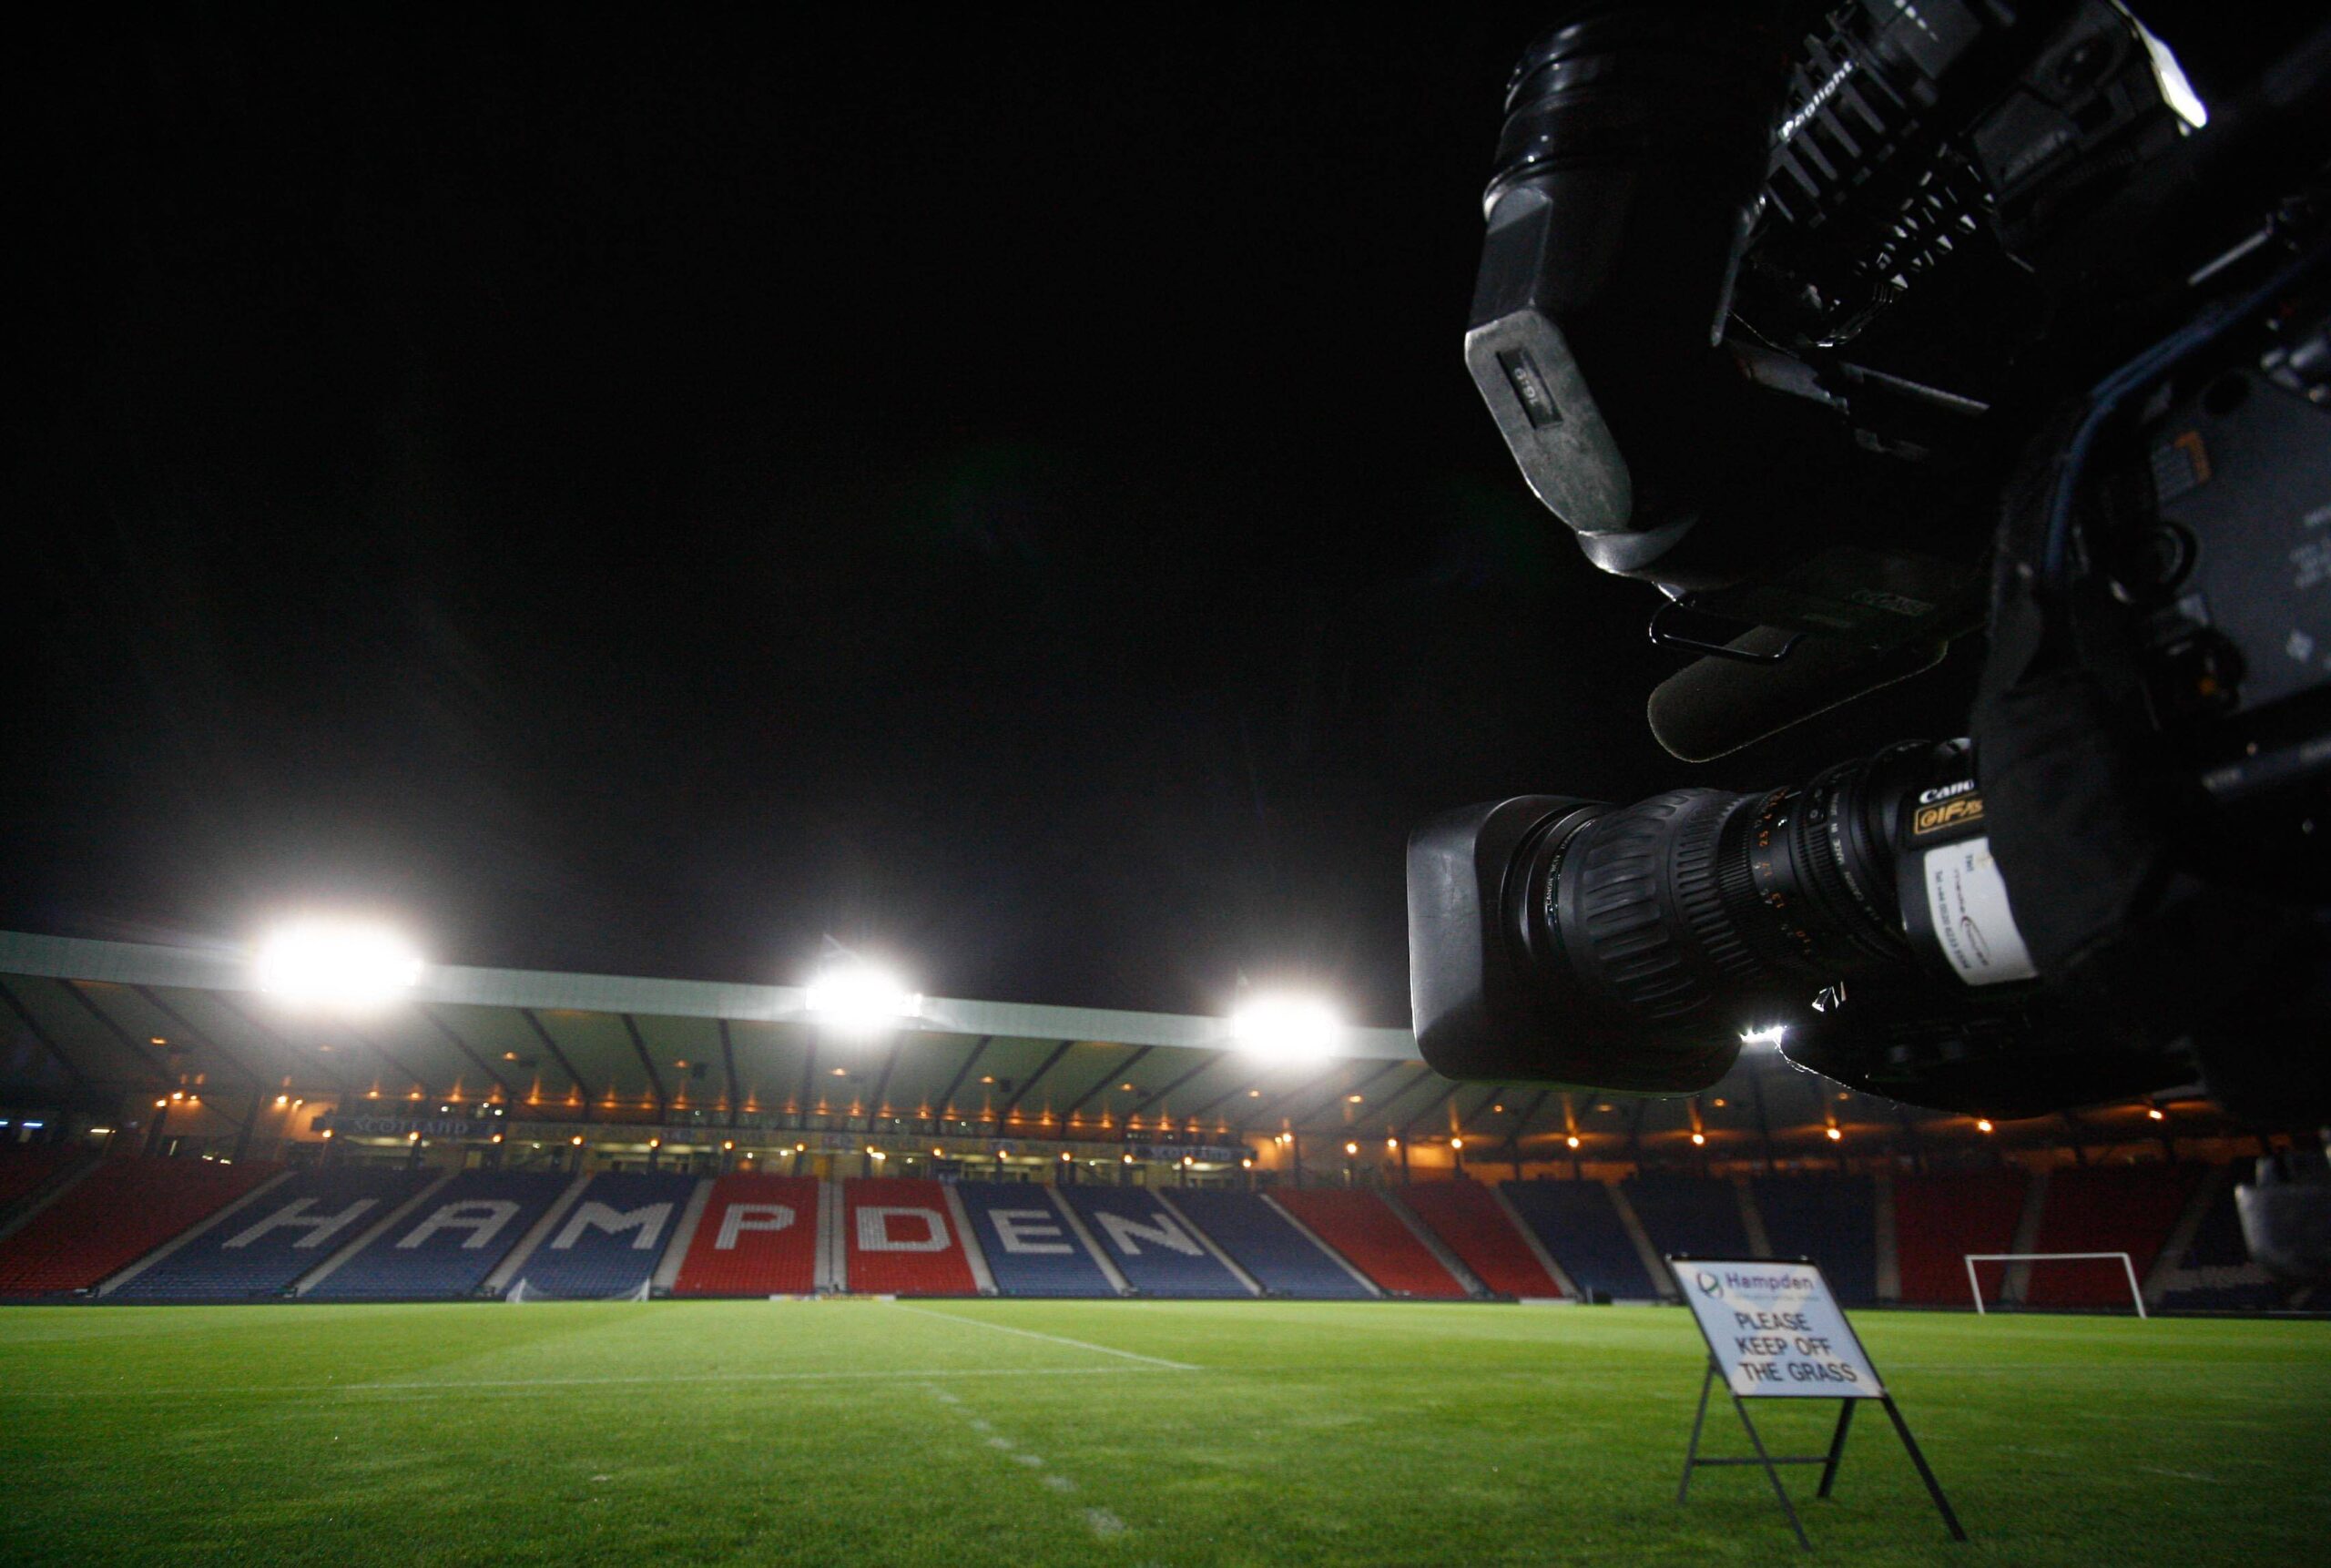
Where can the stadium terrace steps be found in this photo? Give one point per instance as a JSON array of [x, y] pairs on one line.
[[1282, 1259], [1153, 1250], [1469, 1219], [1939, 1219], [1831, 1219], [1361, 1225], [1694, 1216], [1030, 1247], [759, 1237], [123, 1209], [262, 1251], [608, 1243], [446, 1248], [901, 1239], [1577, 1222], [2106, 1208]]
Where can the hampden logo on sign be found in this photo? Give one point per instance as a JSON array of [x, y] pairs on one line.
[[1773, 1329]]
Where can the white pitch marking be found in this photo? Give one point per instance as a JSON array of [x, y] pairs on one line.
[[981, 1424], [999, 1442], [1053, 1338], [1030, 1459], [520, 1384], [1060, 1482], [1104, 1522]]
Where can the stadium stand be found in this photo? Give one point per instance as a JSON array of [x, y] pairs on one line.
[[1940, 1219], [1283, 1260], [902, 1240], [262, 1251], [1831, 1219], [1153, 1251], [609, 1243], [1698, 1217], [1470, 1220], [2215, 1273], [116, 1215], [1030, 1248], [759, 1237], [448, 1247], [1575, 1221], [2105, 1208], [23, 1169], [1361, 1225]]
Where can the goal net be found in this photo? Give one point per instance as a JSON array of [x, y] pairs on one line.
[[2009, 1259], [522, 1292]]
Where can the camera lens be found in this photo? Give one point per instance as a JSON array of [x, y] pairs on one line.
[[1683, 910]]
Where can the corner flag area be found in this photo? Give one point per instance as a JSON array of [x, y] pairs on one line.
[[1135, 1432]]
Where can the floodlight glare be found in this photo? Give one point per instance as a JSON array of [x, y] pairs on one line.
[[857, 996], [1771, 1035], [336, 963], [1285, 1028]]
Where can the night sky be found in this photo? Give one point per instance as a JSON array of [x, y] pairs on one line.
[[636, 497]]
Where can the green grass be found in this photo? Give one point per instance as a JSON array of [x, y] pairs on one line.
[[869, 1432]]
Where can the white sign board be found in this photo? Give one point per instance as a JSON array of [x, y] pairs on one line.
[[1775, 1330]]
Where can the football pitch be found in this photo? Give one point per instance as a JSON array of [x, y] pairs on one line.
[[1151, 1433]]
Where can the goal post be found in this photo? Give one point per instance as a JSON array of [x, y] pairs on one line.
[[2128, 1267]]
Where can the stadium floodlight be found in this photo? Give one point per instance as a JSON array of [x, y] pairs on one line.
[[1287, 1028], [860, 998], [344, 964], [1769, 1035]]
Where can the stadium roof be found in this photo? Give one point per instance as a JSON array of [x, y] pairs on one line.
[[85, 1020]]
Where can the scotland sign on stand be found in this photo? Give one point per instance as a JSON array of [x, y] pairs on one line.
[[1774, 1332]]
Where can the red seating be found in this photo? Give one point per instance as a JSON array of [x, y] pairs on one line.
[[1363, 1227], [901, 1238], [24, 1168], [115, 1215], [759, 1237], [1467, 1215], [1939, 1219], [2106, 1208]]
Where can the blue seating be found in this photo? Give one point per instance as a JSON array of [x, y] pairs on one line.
[[1577, 1223], [1030, 1248], [609, 1243], [1831, 1219], [261, 1251], [1698, 1217], [1155, 1251], [446, 1248], [1283, 1260]]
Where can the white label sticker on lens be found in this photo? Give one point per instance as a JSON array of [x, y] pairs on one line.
[[1972, 919]]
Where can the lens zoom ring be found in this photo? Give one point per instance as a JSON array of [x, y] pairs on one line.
[[1624, 938], [1701, 896]]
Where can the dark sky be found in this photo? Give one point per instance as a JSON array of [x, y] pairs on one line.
[[639, 496]]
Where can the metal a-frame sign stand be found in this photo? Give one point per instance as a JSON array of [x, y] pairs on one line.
[[1774, 1332]]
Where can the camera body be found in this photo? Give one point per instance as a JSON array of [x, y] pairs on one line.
[[1852, 337]]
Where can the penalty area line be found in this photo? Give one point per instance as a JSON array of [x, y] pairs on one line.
[[1051, 1338]]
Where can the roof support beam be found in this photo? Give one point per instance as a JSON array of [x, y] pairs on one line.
[[729, 1069], [419, 1081], [1346, 1091], [463, 1045], [1029, 1083], [1125, 1066], [543, 1033], [41, 1036], [1155, 1095], [947, 1101], [161, 1068], [200, 1037], [646, 1063], [882, 1084], [221, 1000], [1431, 1105]]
